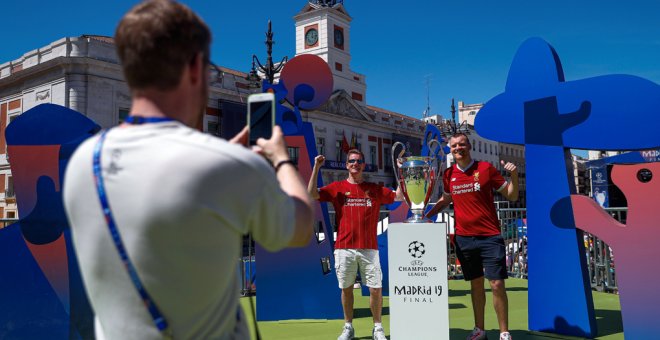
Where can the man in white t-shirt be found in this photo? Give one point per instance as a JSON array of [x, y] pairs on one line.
[[181, 200]]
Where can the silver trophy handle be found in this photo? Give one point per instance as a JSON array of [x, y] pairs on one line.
[[434, 154], [431, 150], [395, 164]]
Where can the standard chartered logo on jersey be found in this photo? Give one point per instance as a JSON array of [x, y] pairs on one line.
[[358, 202], [465, 188]]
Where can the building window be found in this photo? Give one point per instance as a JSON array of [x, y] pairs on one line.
[[474, 145], [294, 154], [373, 155], [479, 146], [356, 96], [11, 214], [339, 153], [387, 155], [213, 128], [122, 115], [320, 145], [9, 192], [339, 67]]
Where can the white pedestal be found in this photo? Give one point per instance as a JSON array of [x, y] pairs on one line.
[[419, 307]]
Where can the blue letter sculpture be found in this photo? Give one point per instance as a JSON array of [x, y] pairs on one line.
[[40, 284], [291, 283], [550, 115]]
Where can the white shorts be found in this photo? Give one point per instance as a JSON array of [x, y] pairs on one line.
[[349, 261]]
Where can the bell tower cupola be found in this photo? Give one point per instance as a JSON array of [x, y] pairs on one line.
[[323, 29]]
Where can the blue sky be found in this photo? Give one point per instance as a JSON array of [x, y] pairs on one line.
[[465, 47]]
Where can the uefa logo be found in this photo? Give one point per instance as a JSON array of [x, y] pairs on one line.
[[416, 249]]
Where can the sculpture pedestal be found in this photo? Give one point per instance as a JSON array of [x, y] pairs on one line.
[[419, 307]]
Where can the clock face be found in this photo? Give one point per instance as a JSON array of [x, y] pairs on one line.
[[311, 37], [339, 37]]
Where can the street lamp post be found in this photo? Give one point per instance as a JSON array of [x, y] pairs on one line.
[[269, 70], [450, 127]]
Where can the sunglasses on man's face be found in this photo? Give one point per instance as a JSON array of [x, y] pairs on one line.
[[351, 161]]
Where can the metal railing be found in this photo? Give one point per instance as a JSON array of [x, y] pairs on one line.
[[7, 221], [247, 267], [514, 232], [600, 258]]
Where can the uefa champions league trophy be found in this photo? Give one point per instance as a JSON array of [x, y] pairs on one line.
[[416, 177]]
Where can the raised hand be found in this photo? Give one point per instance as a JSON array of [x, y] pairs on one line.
[[318, 161], [509, 167]]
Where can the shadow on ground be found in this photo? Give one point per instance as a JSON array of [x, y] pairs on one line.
[[366, 312], [466, 292], [458, 292], [608, 322]]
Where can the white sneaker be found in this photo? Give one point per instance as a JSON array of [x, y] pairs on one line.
[[477, 334], [347, 333], [379, 333], [505, 336]]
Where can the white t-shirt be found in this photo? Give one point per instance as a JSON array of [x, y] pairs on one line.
[[181, 200]]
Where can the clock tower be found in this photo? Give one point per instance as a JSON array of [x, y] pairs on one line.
[[323, 29]]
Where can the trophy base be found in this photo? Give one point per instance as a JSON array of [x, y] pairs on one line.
[[418, 219]]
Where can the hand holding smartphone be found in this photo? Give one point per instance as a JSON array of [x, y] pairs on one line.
[[261, 116]]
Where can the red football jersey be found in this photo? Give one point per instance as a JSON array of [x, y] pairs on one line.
[[357, 210], [472, 193]]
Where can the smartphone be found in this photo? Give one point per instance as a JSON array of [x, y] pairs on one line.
[[261, 116]]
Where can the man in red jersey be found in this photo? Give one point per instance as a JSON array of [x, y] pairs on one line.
[[357, 209], [479, 243]]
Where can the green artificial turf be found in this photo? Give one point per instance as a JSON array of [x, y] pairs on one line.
[[607, 310]]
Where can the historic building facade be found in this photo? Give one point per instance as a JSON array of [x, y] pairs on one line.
[[83, 73]]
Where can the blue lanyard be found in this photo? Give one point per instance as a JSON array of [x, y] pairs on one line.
[[137, 120], [157, 317]]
